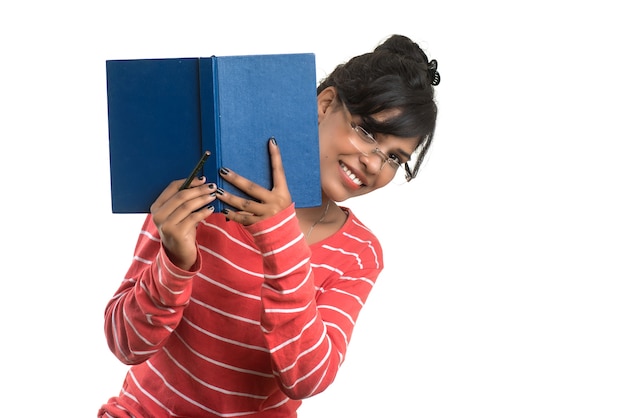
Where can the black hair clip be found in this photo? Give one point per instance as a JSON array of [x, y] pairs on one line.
[[435, 78]]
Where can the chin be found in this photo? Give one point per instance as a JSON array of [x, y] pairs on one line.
[[346, 195]]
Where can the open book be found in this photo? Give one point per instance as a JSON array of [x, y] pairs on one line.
[[165, 113]]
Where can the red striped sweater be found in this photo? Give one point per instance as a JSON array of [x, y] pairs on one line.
[[261, 322]]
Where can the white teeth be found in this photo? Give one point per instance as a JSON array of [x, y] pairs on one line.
[[351, 175]]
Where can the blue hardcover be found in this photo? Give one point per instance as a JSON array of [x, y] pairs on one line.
[[164, 113]]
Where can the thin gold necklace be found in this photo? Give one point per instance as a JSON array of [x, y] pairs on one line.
[[319, 220]]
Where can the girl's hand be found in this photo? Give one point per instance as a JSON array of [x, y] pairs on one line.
[[176, 213], [266, 203]]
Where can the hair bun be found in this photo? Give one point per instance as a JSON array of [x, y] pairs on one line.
[[403, 46]]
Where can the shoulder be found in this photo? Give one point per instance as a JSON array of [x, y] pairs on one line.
[[354, 228], [353, 241]]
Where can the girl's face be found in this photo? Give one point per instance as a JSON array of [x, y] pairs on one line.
[[349, 166]]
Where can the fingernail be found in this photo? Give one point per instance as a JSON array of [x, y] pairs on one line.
[[219, 191], [273, 140], [212, 186], [211, 208], [224, 171]]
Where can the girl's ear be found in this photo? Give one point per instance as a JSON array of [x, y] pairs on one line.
[[324, 102]]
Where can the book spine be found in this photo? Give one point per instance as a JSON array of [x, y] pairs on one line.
[[209, 115]]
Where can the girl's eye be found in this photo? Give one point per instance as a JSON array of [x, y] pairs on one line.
[[395, 158]]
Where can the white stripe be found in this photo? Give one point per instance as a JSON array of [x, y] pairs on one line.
[[343, 292], [223, 339], [208, 385], [132, 326], [224, 313], [148, 394], [181, 395], [116, 332], [287, 272], [296, 338], [336, 309], [292, 290], [170, 271], [342, 251], [142, 260], [360, 225], [157, 303], [227, 261], [319, 382], [338, 328], [284, 247], [270, 229], [369, 245], [150, 236], [219, 363], [363, 279], [162, 282], [328, 267], [230, 237], [228, 288], [291, 310], [305, 352], [316, 368]]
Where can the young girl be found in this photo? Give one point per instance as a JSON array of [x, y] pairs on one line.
[[248, 312]]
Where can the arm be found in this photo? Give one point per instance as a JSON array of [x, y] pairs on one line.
[[150, 301], [308, 337]]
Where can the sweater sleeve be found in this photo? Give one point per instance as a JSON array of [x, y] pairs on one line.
[[307, 338], [149, 303]]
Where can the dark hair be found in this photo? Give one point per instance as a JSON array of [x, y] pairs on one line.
[[396, 75]]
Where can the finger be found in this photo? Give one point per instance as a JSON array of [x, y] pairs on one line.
[[195, 182], [248, 187], [278, 171], [165, 195], [197, 216], [242, 217], [175, 205], [241, 203], [174, 187]]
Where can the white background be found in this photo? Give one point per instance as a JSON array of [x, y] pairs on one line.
[[505, 287]]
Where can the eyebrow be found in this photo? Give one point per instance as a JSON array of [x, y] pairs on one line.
[[404, 154]]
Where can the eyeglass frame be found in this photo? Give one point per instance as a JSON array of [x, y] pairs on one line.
[[367, 137]]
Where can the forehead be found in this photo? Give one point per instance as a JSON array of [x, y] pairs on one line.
[[406, 143]]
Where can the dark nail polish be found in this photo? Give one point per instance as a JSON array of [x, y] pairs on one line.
[[224, 171], [273, 141], [219, 191], [225, 211], [212, 186]]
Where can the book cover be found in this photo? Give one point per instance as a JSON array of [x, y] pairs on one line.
[[164, 113]]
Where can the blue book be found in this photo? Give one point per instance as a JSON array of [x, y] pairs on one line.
[[165, 113]]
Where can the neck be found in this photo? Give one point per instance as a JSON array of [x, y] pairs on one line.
[[312, 218], [314, 213]]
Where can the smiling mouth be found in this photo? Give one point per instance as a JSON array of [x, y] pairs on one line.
[[350, 174]]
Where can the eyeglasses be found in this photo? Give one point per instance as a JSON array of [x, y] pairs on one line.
[[366, 141]]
